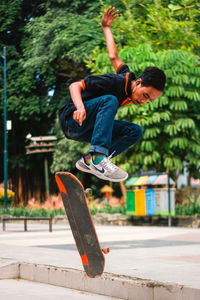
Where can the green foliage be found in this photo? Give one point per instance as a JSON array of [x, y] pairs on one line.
[[41, 212], [63, 40], [25, 212], [109, 210], [187, 210], [190, 206], [46, 43], [163, 24]]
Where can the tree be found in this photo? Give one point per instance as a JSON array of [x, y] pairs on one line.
[[23, 101], [30, 106], [162, 24]]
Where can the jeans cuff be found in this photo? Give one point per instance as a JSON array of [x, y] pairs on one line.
[[99, 149]]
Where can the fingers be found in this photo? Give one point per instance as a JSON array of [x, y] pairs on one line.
[[111, 12], [79, 116]]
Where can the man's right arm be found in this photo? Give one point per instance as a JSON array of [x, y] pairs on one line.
[[79, 114]]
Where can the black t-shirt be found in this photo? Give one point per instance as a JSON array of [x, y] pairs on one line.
[[95, 86]]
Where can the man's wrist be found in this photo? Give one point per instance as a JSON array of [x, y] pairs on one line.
[[80, 107], [105, 26]]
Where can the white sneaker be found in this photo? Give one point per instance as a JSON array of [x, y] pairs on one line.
[[85, 166], [106, 170]]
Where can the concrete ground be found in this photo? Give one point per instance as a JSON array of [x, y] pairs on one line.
[[21, 289], [168, 256]]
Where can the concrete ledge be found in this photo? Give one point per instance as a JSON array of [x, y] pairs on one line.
[[9, 270], [124, 220], [119, 286]]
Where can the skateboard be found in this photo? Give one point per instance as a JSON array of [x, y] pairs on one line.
[[80, 220]]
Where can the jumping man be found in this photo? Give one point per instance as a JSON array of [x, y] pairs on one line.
[[89, 116]]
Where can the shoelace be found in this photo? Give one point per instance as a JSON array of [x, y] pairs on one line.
[[111, 155], [108, 164]]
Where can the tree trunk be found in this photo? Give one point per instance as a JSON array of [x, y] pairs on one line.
[[123, 190]]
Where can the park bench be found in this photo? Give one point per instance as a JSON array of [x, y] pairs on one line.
[[25, 219]]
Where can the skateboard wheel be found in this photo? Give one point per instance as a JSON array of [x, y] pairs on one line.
[[88, 192], [106, 250]]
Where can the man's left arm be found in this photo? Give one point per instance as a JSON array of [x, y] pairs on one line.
[[109, 15]]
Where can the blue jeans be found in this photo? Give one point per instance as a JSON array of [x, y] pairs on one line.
[[105, 134]]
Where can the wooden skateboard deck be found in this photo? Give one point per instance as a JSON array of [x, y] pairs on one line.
[[80, 220]]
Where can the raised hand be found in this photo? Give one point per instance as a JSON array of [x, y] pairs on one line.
[[109, 15]]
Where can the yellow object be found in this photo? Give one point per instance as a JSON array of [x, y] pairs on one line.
[[141, 180], [140, 203], [9, 193], [107, 190]]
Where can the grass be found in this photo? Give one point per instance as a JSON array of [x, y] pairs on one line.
[[181, 210], [25, 212], [41, 212]]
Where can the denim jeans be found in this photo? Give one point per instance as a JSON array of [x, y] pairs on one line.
[[105, 134]]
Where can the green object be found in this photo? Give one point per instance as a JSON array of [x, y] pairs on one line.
[[98, 159], [130, 203], [5, 129], [131, 181]]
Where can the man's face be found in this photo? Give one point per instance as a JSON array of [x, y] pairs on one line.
[[142, 94]]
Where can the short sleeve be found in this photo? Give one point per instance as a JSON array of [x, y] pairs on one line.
[[98, 82], [83, 84], [122, 69]]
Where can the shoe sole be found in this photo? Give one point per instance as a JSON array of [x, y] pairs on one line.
[[114, 179]]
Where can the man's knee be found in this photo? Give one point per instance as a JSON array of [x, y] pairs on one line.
[[110, 101], [136, 132], [139, 131]]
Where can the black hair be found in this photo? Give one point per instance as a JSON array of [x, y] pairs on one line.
[[154, 77]]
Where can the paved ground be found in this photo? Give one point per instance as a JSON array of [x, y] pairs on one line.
[[169, 255], [22, 289]]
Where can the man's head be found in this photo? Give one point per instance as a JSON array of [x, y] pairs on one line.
[[148, 86]]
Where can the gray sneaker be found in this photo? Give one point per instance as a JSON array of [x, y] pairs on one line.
[[85, 166], [106, 170]]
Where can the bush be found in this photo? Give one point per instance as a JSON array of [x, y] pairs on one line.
[[109, 210], [10, 194], [189, 210], [22, 211], [188, 202]]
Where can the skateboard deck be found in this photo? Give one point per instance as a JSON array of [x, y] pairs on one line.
[[80, 220]]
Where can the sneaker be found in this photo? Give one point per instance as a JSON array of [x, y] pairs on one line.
[[105, 169], [84, 165]]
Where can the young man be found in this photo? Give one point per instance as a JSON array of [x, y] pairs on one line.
[[89, 114]]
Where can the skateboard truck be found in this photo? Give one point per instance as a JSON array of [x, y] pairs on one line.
[[89, 192], [105, 250]]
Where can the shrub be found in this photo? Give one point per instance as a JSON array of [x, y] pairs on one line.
[[10, 195]]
